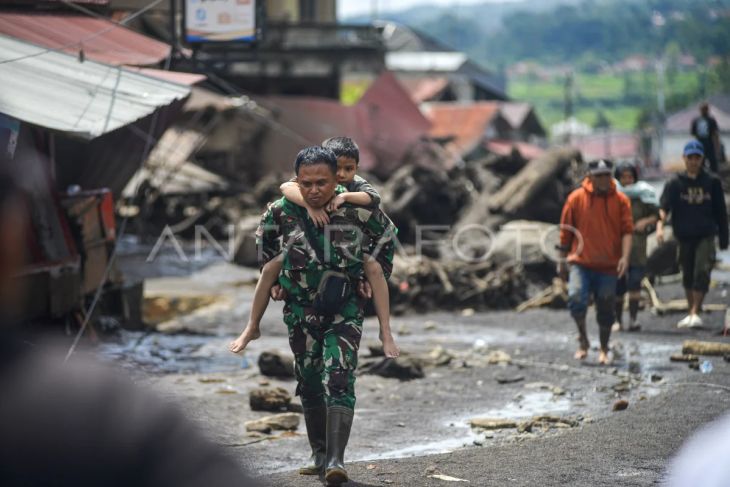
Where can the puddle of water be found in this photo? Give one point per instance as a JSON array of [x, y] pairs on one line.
[[442, 446], [159, 353]]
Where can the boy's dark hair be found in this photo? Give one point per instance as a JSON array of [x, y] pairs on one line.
[[343, 147], [309, 156]]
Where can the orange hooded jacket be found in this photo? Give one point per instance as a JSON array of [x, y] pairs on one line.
[[592, 226]]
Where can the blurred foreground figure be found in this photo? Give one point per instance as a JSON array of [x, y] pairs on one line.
[[702, 461], [78, 423]]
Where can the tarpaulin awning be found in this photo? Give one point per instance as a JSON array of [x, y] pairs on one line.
[[100, 40], [83, 99]]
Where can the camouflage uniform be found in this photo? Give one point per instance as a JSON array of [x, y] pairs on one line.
[[325, 347]]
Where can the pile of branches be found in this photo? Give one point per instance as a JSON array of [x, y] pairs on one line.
[[426, 284]]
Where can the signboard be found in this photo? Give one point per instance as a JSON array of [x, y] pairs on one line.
[[220, 21]]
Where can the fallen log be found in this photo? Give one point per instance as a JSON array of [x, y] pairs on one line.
[[697, 347], [555, 295], [520, 190]]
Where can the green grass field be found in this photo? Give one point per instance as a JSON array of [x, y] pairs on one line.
[[621, 98]]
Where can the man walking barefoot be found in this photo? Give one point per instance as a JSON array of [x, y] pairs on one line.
[[595, 237]]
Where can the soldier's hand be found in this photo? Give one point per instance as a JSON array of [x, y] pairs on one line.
[[364, 290], [277, 292], [318, 216]]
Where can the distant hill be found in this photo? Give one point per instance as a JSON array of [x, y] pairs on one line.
[[571, 31]]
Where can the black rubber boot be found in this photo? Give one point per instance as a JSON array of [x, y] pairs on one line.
[[339, 422], [316, 422]]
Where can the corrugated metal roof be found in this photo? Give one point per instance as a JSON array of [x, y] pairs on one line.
[[467, 124], [88, 99], [101, 40], [681, 122]]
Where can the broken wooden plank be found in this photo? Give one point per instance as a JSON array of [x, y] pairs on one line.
[[697, 347]]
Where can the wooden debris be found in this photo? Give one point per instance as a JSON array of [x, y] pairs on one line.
[[679, 357], [269, 399], [492, 423], [553, 296], [675, 305], [424, 284], [697, 347]]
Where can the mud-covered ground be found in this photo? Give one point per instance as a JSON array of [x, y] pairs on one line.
[[399, 425]]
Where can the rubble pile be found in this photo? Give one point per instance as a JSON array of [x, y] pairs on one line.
[[425, 284]]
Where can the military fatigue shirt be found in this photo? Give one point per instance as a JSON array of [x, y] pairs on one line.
[[351, 230]]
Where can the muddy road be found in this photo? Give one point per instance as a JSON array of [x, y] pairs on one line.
[[497, 365]]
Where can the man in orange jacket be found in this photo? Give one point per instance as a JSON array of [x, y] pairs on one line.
[[595, 236]]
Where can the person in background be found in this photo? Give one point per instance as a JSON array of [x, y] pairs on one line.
[[645, 214], [705, 129], [695, 201], [595, 237]]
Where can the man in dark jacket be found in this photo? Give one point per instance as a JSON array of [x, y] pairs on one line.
[[706, 130], [696, 202]]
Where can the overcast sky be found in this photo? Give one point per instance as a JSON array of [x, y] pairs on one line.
[[348, 8]]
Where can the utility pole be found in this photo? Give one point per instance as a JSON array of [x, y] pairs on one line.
[[568, 105], [173, 28], [661, 107]]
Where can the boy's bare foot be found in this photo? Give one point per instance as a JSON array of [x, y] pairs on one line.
[[390, 349], [249, 333], [603, 358]]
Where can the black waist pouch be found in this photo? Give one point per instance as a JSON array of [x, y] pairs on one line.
[[332, 293]]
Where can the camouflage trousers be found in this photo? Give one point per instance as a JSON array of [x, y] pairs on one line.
[[325, 353]]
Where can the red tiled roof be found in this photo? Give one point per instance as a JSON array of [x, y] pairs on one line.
[[613, 145], [423, 89], [100, 39], [385, 123], [466, 123]]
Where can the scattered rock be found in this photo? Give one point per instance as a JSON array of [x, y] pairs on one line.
[[467, 312], [447, 478], [509, 379], [269, 399], [430, 326], [694, 365], [401, 425], [620, 405], [263, 382], [227, 389], [283, 421], [376, 350], [656, 378], [478, 442], [295, 408], [498, 357], [210, 380], [403, 368], [403, 330], [275, 364], [431, 469], [546, 422], [492, 423], [439, 357], [679, 357], [726, 357]]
